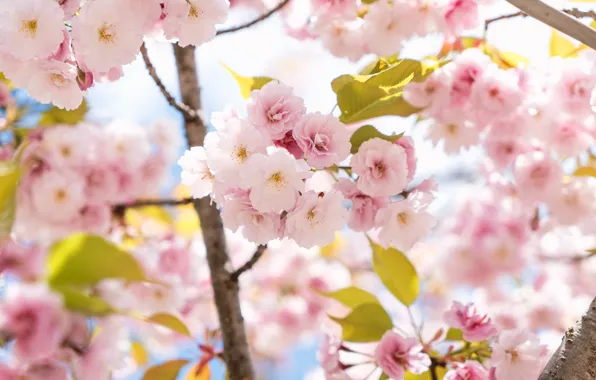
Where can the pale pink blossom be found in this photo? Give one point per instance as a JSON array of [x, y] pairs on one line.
[[94, 218], [433, 93], [58, 197], [274, 180], [195, 172], [274, 109], [324, 140], [469, 370], [64, 51], [517, 355], [126, 144], [8, 373], [475, 327], [34, 316], [342, 37], [316, 218], [465, 70], [461, 15], [257, 227], [289, 143], [47, 370], [407, 143], [456, 135], [54, 82], [65, 146], [502, 150], [31, 29], [567, 137], [573, 85], [382, 167], [386, 25], [102, 183], [575, 202], [328, 357], [70, 7], [403, 224], [364, 207], [334, 7], [25, 261], [193, 22], [106, 34], [495, 94], [537, 175], [397, 354]]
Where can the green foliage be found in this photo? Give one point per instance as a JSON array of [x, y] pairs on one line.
[[439, 371], [170, 321], [454, 334], [84, 260], [368, 132], [83, 303], [379, 92], [57, 115], [585, 171], [9, 180], [166, 371], [248, 84], [352, 296], [396, 272], [366, 323]]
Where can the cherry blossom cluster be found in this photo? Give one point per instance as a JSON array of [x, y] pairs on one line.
[[74, 175], [58, 49], [260, 171], [353, 28]]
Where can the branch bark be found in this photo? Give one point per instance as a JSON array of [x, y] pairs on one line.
[[576, 356], [227, 301], [250, 263], [558, 20]]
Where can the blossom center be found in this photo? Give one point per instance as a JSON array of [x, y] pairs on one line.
[[106, 33], [207, 175], [240, 153], [277, 180], [513, 355], [66, 151], [311, 215], [194, 12], [29, 27], [378, 170], [493, 92], [320, 142], [61, 195], [58, 79], [451, 129], [402, 218]]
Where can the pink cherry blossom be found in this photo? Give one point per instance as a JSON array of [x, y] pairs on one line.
[[576, 201], [289, 143], [495, 94], [475, 327], [105, 38], [34, 316], [407, 143], [334, 7], [434, 92], [195, 172], [461, 15], [257, 227], [537, 175], [382, 167], [47, 371], [324, 140], [64, 51], [193, 22], [31, 29], [328, 356], [573, 84], [342, 37], [568, 138], [517, 355], [386, 25], [397, 354], [8, 373], [455, 135], [466, 69], [70, 7], [274, 181], [364, 207], [26, 261], [58, 196], [469, 370], [274, 109], [54, 82], [316, 218]]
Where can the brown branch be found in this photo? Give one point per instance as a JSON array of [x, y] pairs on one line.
[[572, 12], [579, 14], [255, 21], [187, 111], [155, 202], [503, 17], [250, 263], [576, 355], [571, 259], [225, 290], [557, 19]]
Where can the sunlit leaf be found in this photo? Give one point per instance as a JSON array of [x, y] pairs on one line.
[[560, 46], [396, 272], [333, 249], [366, 323], [139, 353], [248, 84], [454, 334], [439, 371], [85, 260], [86, 304], [166, 371], [585, 171], [352, 296], [9, 180], [170, 321], [204, 374], [57, 115], [368, 132]]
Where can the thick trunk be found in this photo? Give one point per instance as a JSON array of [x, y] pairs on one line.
[[236, 351], [575, 359]]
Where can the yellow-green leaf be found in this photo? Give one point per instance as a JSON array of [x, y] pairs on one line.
[[366, 323], [396, 272], [454, 334], [87, 304], [248, 84], [170, 321], [352, 296], [585, 171], [9, 180], [166, 371], [139, 353], [205, 373], [439, 371], [368, 132], [57, 115], [85, 260], [560, 46]]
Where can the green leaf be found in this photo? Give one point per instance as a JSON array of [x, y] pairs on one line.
[[366, 323], [352, 296], [9, 180], [248, 84], [561, 46], [170, 321], [85, 260], [78, 301], [396, 272], [368, 132], [454, 334], [60, 116], [384, 376], [166, 371], [439, 371], [585, 171]]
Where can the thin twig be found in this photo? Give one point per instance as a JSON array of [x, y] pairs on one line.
[[249, 264], [579, 14], [187, 111], [156, 202], [503, 17], [255, 21], [572, 12], [571, 259]]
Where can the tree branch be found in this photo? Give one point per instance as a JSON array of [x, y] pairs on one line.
[[250, 263], [558, 20], [255, 21], [575, 357], [572, 12], [185, 109], [155, 202], [227, 300]]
